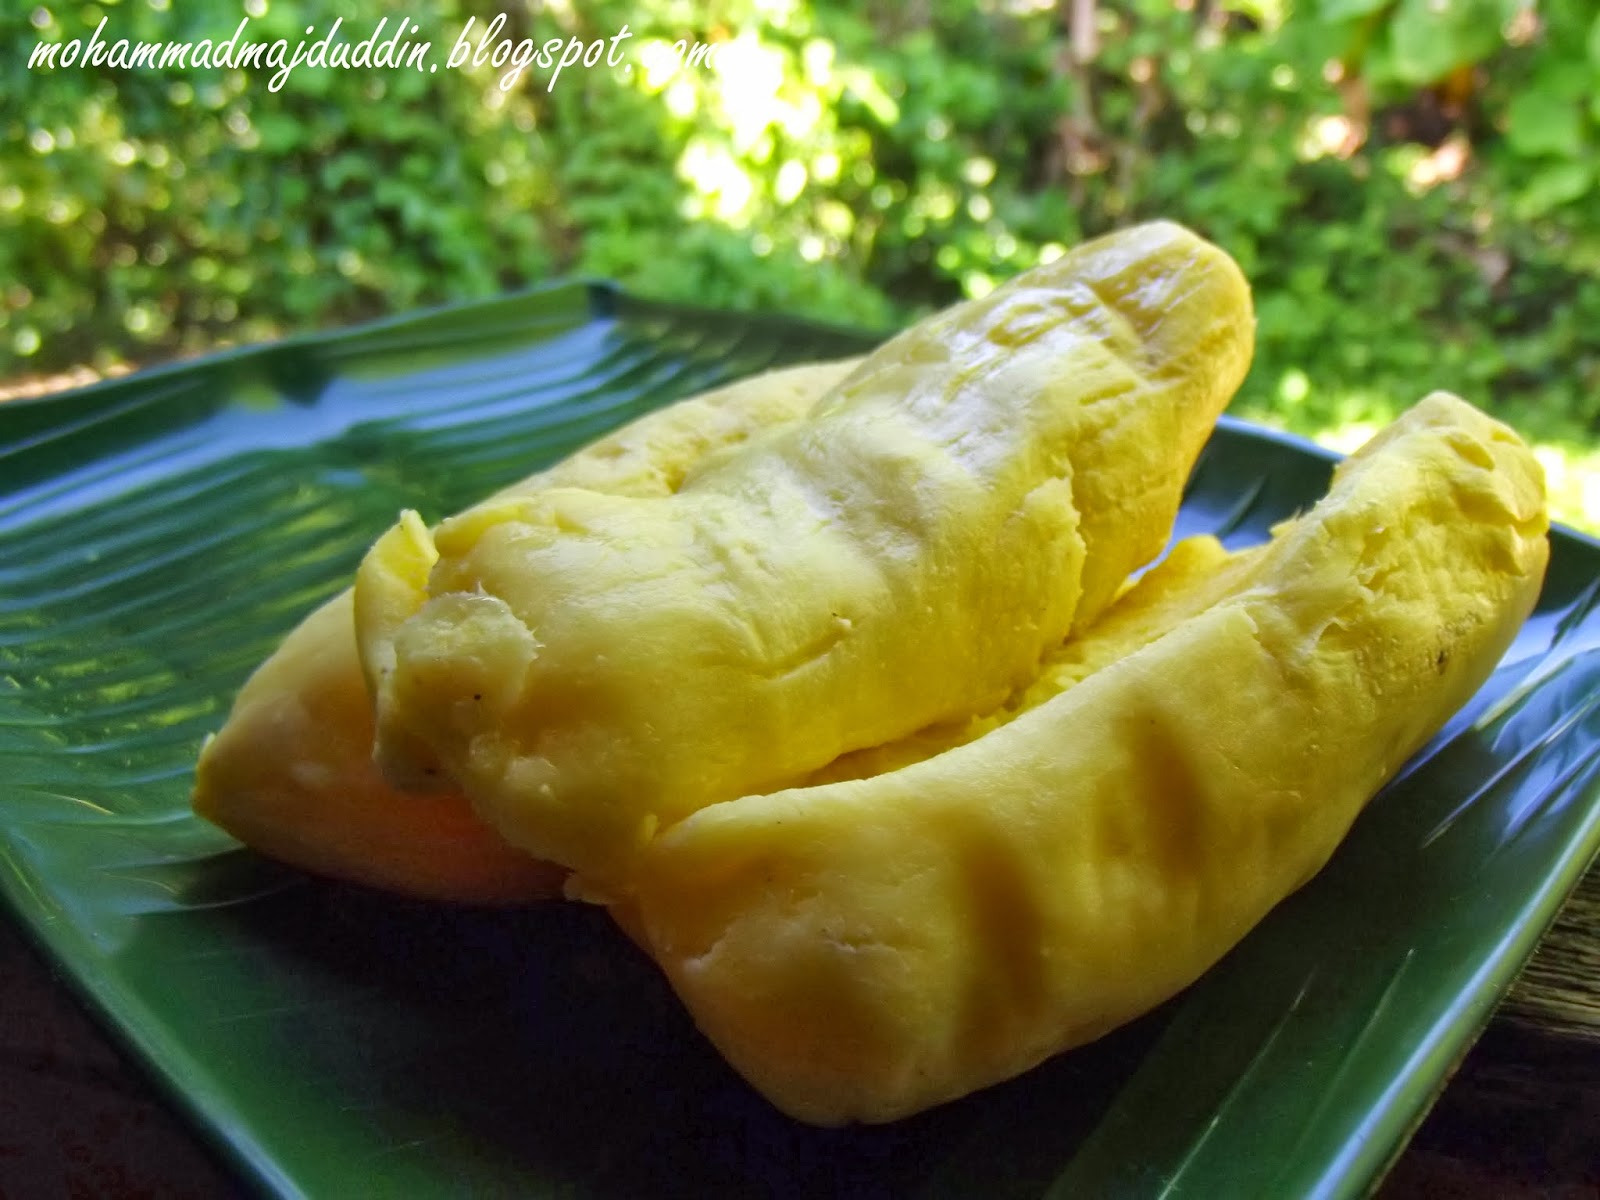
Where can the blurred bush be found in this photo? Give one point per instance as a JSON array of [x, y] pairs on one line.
[[1411, 184]]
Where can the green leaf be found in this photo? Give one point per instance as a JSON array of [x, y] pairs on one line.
[[279, 132], [1540, 123], [1430, 38], [1594, 43], [1345, 10], [160, 532], [1550, 187]]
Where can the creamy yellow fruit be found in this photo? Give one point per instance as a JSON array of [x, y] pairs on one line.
[[291, 772], [590, 667], [1195, 573], [863, 949]]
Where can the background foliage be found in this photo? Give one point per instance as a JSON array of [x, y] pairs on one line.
[[1411, 184]]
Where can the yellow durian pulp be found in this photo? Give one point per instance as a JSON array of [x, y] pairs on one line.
[[291, 771], [864, 948], [591, 668]]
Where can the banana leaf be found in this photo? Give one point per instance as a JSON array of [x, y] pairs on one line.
[[159, 533]]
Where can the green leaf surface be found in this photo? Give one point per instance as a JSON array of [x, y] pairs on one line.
[[159, 533], [1430, 38], [1345, 10], [1545, 122], [1551, 186]]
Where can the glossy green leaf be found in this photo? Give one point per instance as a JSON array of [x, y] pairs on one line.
[[159, 533]]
